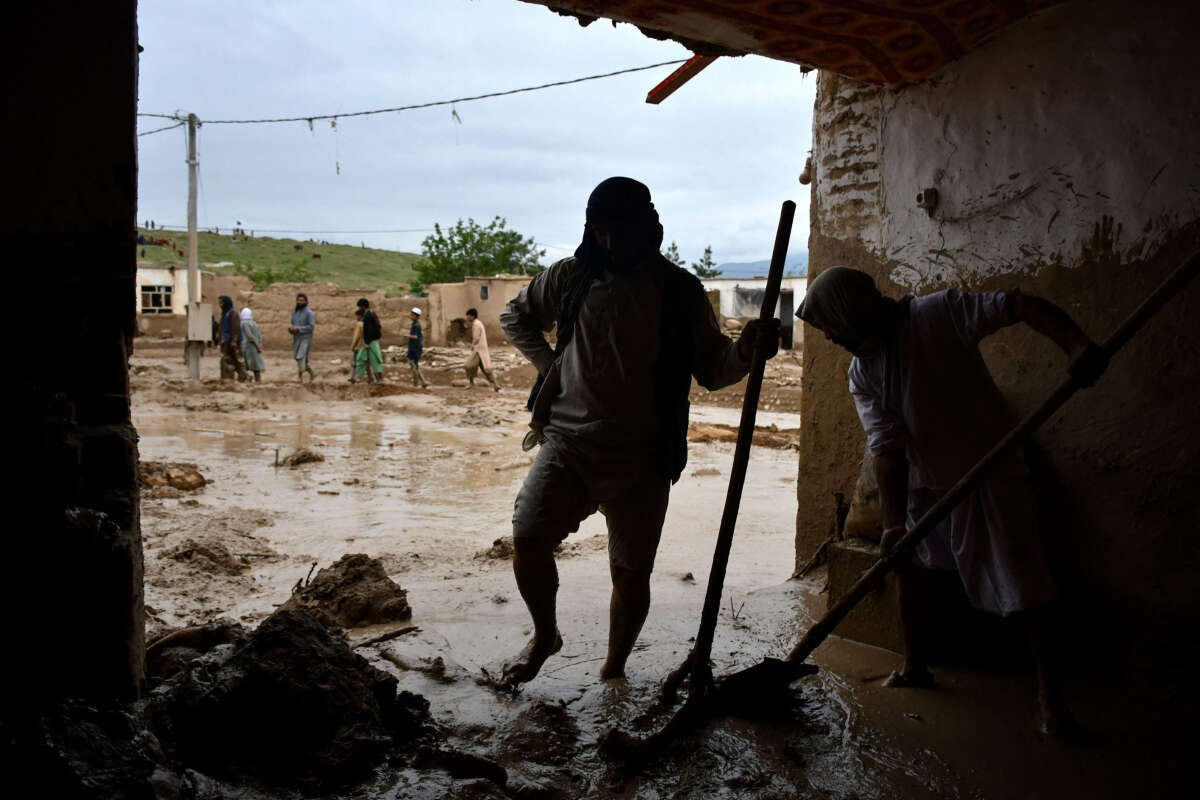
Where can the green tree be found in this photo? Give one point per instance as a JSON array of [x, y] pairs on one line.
[[469, 248], [706, 267], [672, 254]]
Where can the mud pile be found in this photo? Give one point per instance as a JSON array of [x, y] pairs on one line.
[[301, 456], [211, 556], [160, 474], [352, 592], [288, 704]]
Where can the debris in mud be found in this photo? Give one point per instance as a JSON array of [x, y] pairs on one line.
[[170, 653], [768, 436], [352, 592], [704, 472], [301, 456], [289, 704], [516, 463], [86, 750], [210, 556], [501, 549], [160, 474]]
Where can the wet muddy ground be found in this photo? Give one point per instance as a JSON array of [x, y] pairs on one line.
[[425, 480]]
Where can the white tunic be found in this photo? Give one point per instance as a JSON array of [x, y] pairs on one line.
[[944, 409]]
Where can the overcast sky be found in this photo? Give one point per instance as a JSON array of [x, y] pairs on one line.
[[719, 155]]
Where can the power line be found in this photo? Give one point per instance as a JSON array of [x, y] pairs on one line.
[[168, 226], [165, 128], [311, 118]]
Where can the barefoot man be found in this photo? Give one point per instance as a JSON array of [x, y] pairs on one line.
[[611, 412], [930, 410]]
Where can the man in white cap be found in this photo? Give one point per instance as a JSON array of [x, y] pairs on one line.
[[416, 345]]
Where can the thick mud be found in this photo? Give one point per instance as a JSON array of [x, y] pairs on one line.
[[424, 481]]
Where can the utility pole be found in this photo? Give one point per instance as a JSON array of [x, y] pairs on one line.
[[199, 315]]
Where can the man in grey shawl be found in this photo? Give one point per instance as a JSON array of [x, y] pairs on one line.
[[930, 410], [301, 329]]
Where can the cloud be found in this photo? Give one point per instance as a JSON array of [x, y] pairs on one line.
[[719, 155]]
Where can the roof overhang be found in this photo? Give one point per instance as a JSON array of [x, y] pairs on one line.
[[883, 42]]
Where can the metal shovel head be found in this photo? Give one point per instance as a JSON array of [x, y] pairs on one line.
[[762, 682]]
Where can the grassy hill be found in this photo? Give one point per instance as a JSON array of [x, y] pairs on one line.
[[347, 266]]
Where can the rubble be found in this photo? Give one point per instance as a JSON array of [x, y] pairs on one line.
[[288, 704], [158, 474], [301, 456], [352, 592]]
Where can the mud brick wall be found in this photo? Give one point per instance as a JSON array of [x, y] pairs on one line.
[[1063, 154], [334, 308], [73, 579]]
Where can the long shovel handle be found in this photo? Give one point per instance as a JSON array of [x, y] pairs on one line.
[[1175, 282], [741, 457]]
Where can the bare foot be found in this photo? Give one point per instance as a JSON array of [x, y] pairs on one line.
[[909, 679], [1056, 722], [608, 673], [526, 665]]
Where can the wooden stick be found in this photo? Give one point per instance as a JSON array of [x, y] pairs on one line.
[[697, 661]]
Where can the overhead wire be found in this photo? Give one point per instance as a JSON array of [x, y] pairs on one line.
[[160, 130], [309, 118]]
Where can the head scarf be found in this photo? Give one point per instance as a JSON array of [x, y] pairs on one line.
[[843, 302], [247, 314], [615, 201], [226, 302]]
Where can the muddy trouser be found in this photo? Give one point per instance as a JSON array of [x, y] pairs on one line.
[[231, 362], [369, 358], [565, 485], [414, 364], [474, 364]]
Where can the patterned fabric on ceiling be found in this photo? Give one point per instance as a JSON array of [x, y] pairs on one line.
[[886, 42]]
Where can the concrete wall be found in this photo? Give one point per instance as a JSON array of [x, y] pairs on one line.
[[334, 309], [73, 594], [1064, 156], [726, 286], [449, 302]]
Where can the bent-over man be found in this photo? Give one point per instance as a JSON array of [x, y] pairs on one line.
[[612, 410], [931, 410], [481, 359]]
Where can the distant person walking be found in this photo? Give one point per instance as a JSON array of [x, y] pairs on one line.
[[369, 358], [252, 345], [416, 346], [480, 359], [231, 341], [301, 329], [355, 345]]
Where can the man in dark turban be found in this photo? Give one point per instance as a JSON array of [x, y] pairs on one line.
[[931, 410], [611, 407]]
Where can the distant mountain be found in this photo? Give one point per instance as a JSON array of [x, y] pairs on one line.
[[796, 264]]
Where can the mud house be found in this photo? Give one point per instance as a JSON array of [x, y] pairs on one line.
[[742, 297], [161, 296], [448, 304]]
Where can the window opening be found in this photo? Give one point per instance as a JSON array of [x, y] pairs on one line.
[[156, 300]]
